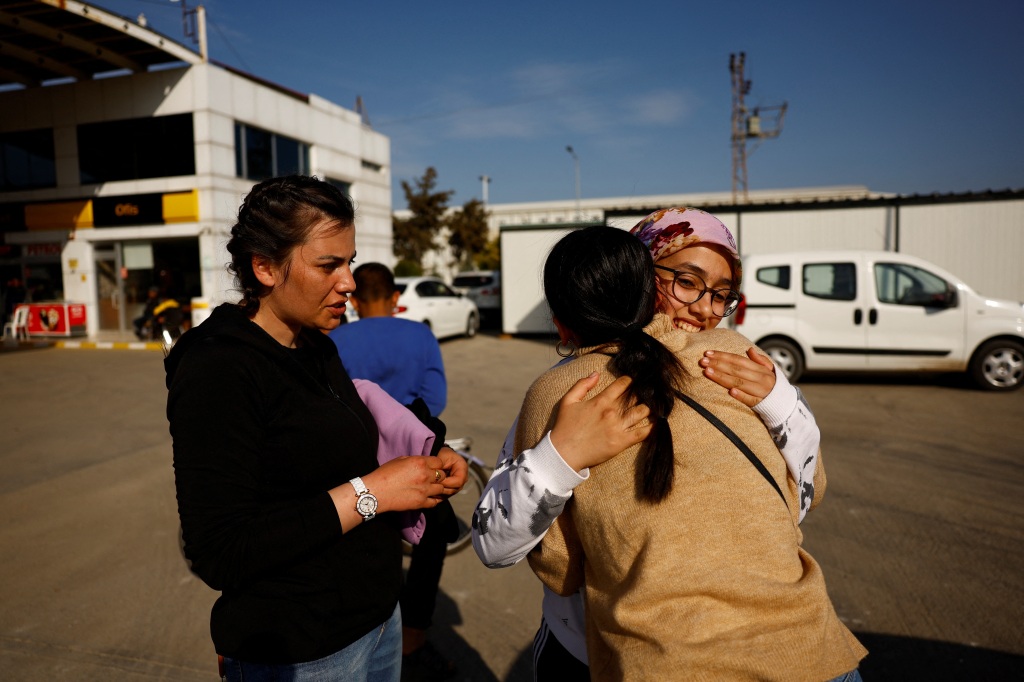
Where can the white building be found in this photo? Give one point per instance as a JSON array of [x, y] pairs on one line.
[[126, 155]]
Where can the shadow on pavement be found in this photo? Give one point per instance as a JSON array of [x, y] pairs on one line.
[[896, 659], [453, 646], [891, 658]]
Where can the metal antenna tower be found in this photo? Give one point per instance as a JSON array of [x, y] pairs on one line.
[[758, 124]]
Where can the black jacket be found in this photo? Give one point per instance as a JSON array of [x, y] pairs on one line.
[[261, 432]]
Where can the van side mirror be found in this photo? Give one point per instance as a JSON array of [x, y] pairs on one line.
[[952, 298]]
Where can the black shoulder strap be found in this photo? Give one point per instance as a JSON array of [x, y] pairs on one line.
[[720, 425]]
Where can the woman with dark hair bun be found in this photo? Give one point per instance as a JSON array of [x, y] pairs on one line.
[[276, 456], [688, 552]]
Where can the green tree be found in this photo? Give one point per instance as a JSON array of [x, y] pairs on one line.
[[468, 232], [415, 235], [489, 257]]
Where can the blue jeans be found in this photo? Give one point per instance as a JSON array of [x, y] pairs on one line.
[[375, 657], [852, 676]]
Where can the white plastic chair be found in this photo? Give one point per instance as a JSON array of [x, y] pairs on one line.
[[18, 326]]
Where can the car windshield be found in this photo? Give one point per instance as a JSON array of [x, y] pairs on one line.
[[400, 288], [472, 280]]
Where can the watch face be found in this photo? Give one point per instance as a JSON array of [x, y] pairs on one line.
[[366, 504]]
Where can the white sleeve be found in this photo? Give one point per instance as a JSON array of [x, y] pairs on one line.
[[521, 501], [791, 423]]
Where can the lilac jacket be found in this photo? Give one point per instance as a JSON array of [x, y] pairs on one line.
[[401, 433]]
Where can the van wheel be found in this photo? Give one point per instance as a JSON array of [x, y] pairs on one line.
[[471, 326], [999, 365], [786, 357]]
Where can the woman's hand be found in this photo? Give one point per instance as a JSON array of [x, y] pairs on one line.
[[749, 379], [456, 470], [589, 432], [407, 483], [403, 484]]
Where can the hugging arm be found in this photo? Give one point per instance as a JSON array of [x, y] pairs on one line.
[[753, 381], [527, 492]]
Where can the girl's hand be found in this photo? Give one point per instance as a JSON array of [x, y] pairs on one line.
[[589, 432], [749, 379]]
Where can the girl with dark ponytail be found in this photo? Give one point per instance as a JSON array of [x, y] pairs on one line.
[[686, 553], [598, 283]]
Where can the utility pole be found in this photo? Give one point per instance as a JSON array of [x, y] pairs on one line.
[[576, 165], [761, 123]]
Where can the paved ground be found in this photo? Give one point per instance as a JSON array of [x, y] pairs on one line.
[[921, 535]]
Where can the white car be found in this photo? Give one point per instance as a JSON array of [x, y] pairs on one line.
[[430, 301], [483, 287]]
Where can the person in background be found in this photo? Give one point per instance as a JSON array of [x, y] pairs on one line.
[[401, 356], [532, 488], [285, 506], [142, 322], [404, 359]]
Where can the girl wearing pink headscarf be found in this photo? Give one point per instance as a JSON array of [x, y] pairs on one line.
[[699, 273]]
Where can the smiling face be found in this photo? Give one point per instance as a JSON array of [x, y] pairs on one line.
[[310, 289], [711, 265]]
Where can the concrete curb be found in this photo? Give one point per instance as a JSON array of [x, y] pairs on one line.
[[111, 345]]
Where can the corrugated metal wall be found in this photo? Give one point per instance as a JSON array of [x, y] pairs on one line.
[[981, 242]]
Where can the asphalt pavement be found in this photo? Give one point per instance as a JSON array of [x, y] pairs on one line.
[[920, 535]]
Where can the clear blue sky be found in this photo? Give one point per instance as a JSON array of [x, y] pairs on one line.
[[908, 96]]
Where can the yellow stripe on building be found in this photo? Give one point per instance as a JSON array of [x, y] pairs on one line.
[[181, 207], [59, 215]]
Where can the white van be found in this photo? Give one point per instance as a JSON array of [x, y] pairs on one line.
[[877, 311]]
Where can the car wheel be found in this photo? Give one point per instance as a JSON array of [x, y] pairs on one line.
[[999, 365], [471, 326], [786, 356]]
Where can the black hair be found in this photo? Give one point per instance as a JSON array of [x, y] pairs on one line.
[[599, 283], [374, 282], [276, 216]]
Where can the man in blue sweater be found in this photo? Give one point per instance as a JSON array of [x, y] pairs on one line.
[[400, 356], [403, 358]]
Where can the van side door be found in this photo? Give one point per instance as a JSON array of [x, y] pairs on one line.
[[831, 314], [917, 321]]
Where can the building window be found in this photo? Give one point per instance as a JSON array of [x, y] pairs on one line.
[[132, 149], [371, 166], [260, 154], [26, 160], [345, 187]]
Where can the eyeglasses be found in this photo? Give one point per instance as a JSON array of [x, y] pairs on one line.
[[688, 288]]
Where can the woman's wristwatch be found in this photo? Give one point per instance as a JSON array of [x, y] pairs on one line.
[[366, 503]]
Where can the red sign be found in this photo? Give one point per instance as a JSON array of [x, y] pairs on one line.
[[56, 319]]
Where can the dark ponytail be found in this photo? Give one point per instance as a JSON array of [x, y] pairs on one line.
[[276, 216], [599, 282]]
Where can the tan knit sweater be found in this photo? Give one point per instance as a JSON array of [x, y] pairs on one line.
[[709, 584]]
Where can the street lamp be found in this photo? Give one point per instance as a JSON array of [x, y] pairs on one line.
[[485, 180], [576, 164]]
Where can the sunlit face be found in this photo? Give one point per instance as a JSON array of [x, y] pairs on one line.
[[311, 289], [709, 264]]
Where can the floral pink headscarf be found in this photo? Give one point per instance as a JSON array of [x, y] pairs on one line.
[[670, 229]]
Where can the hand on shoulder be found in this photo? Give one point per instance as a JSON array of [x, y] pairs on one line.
[[749, 378]]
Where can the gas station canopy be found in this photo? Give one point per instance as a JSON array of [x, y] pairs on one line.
[[43, 41]]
